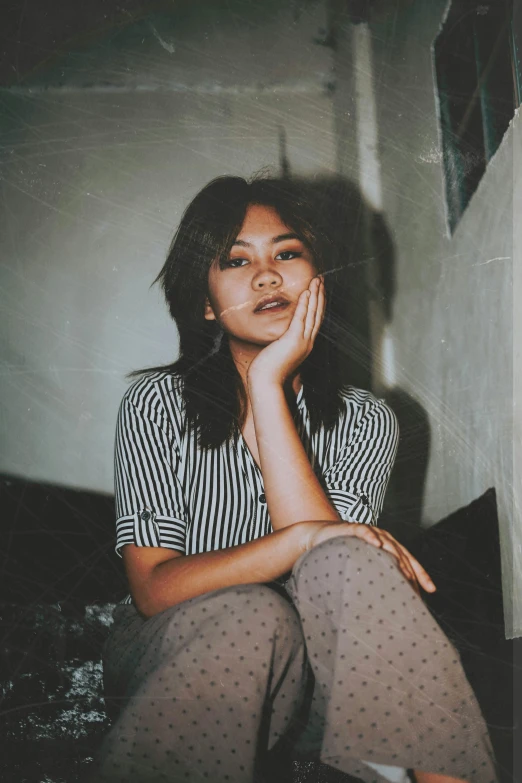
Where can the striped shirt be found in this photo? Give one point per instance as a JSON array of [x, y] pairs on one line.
[[170, 493]]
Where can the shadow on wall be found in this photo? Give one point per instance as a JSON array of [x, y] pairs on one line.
[[361, 292]]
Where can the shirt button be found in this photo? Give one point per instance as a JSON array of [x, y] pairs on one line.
[[145, 516], [262, 498]]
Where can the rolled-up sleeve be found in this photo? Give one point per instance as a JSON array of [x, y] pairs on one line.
[[357, 481], [150, 508]]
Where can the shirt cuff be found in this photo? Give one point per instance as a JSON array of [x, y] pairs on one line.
[[353, 508], [146, 528]]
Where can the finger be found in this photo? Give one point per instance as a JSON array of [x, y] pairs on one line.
[[409, 564], [421, 574], [312, 308], [366, 532], [300, 312], [391, 547], [319, 313], [400, 553], [409, 572], [407, 569]]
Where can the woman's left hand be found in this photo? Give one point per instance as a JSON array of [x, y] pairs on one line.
[[409, 565], [277, 361], [379, 538]]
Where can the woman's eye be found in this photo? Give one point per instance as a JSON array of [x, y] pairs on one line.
[[287, 255], [233, 263]]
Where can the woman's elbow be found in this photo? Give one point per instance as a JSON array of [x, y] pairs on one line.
[[149, 603], [146, 606], [149, 573]]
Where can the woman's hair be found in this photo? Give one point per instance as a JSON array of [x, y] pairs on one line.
[[212, 389]]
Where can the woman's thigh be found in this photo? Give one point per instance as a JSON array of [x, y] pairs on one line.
[[225, 642], [204, 688]]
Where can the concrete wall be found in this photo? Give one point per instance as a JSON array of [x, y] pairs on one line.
[[452, 329], [100, 158], [516, 511]]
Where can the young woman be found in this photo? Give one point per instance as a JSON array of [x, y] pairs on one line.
[[248, 486]]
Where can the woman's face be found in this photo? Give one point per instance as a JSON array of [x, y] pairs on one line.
[[254, 293]]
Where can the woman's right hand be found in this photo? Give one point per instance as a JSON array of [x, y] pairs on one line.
[[317, 532]]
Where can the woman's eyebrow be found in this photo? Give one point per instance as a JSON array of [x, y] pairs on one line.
[[274, 240], [282, 237]]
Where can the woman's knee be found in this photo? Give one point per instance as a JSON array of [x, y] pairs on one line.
[[349, 559]]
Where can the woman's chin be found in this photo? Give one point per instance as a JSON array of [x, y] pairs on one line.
[[263, 337], [274, 332]]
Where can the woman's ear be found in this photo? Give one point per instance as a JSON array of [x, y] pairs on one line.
[[209, 312]]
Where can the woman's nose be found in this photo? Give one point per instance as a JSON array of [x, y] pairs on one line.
[[266, 278]]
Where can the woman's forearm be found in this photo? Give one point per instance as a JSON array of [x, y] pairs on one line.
[[177, 579], [292, 489]]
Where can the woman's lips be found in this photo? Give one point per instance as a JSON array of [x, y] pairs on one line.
[[272, 307]]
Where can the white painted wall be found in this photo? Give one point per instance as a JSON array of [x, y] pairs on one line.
[[516, 511], [94, 181], [452, 330]]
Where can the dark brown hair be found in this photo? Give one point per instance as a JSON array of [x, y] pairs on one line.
[[212, 389]]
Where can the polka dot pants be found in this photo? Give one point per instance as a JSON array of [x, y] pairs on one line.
[[349, 664]]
